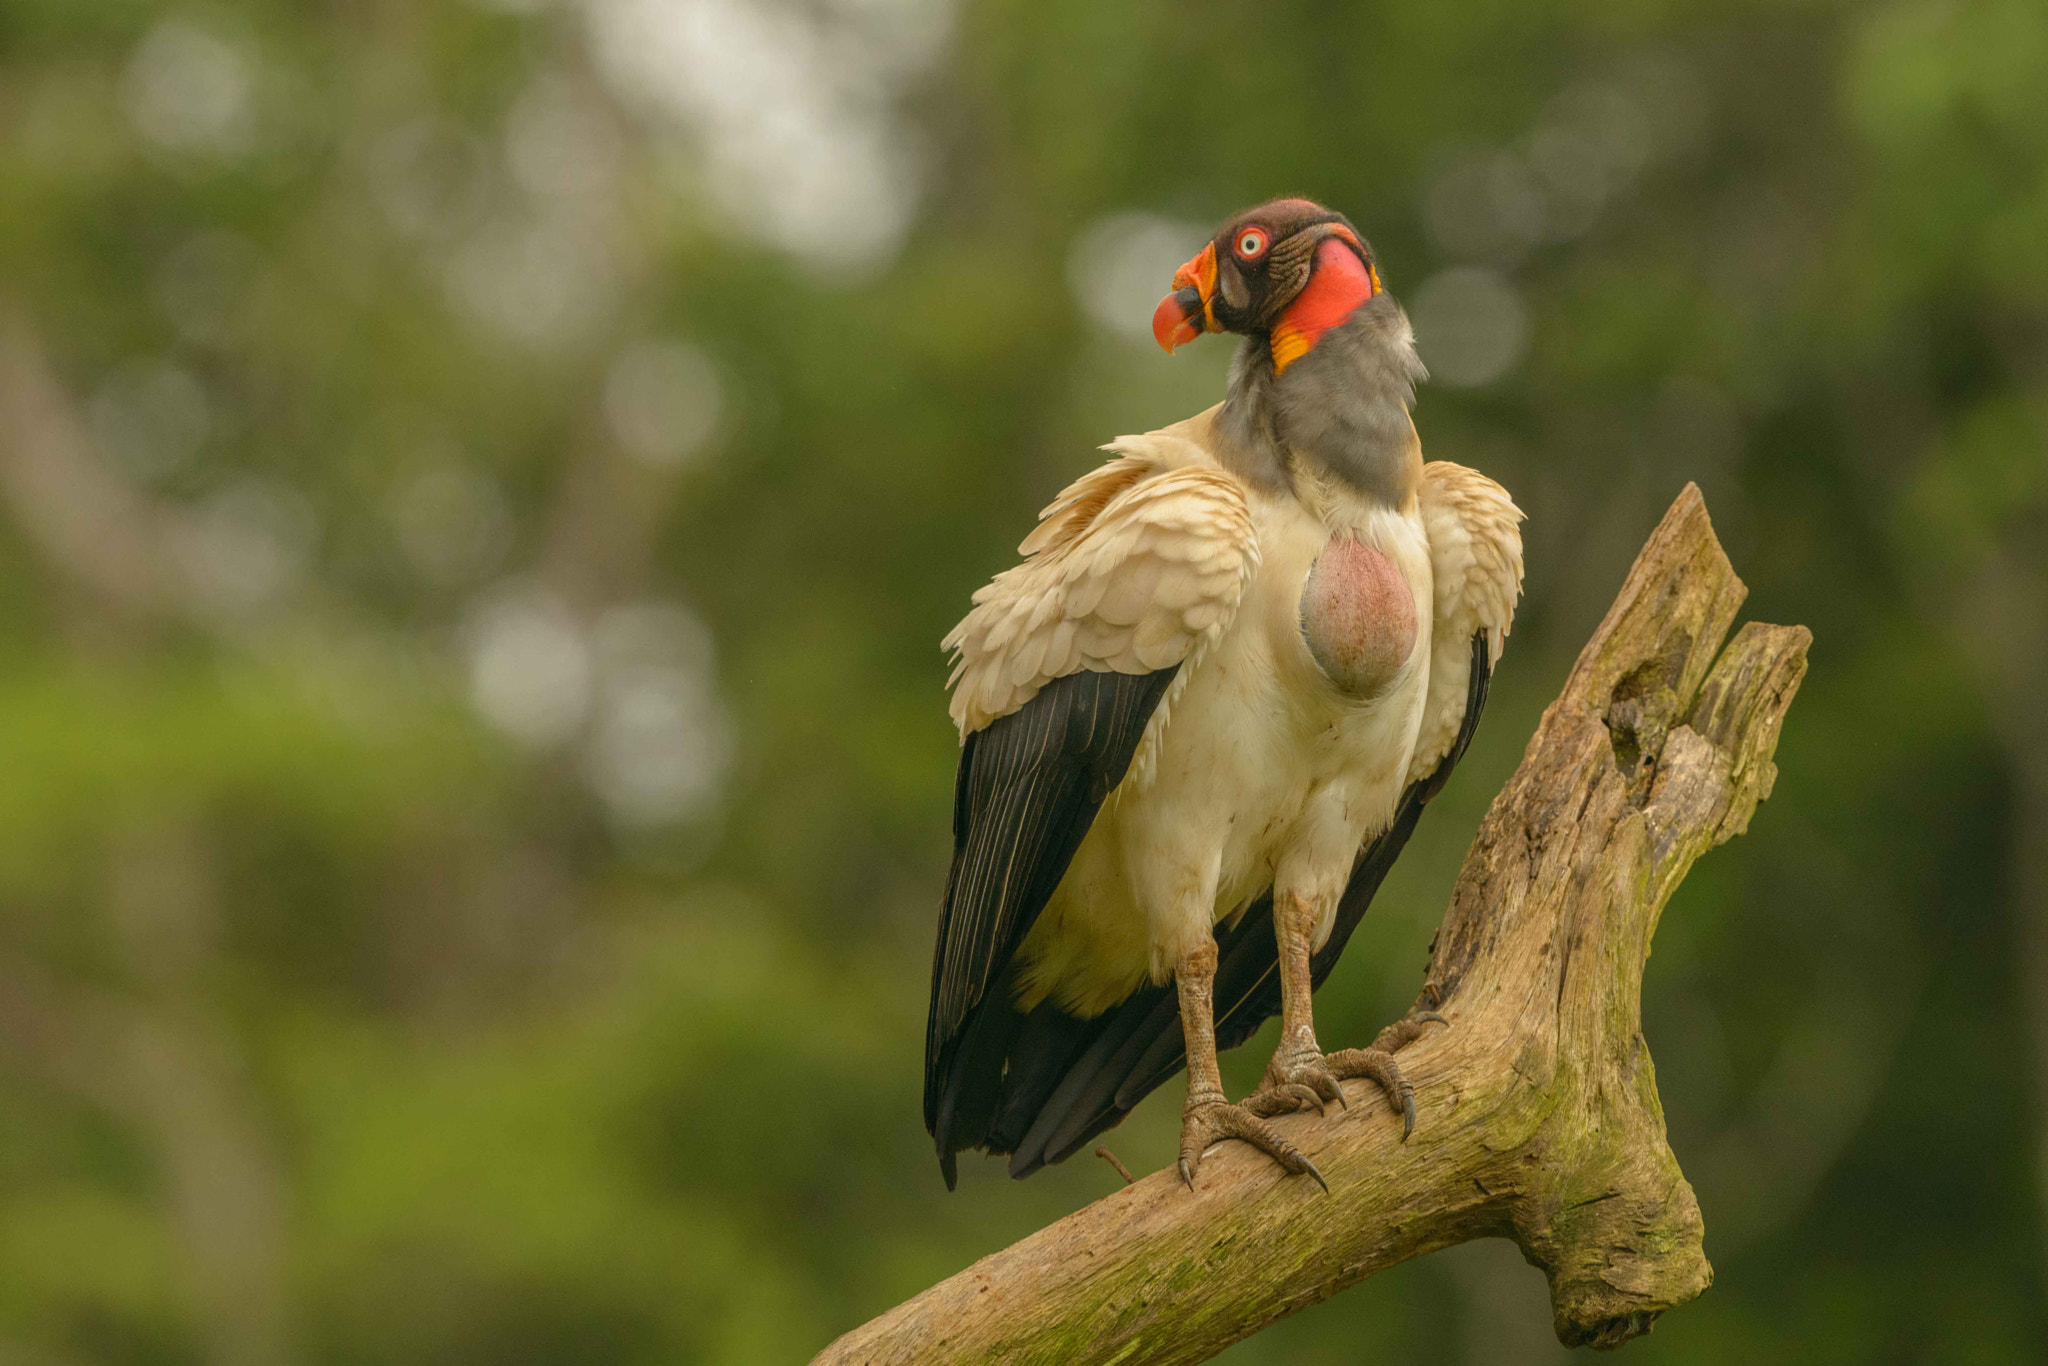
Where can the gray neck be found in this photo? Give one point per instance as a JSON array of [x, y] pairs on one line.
[[1343, 407]]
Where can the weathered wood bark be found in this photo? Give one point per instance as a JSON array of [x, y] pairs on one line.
[[1538, 1111]]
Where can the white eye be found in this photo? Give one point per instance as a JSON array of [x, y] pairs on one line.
[[1250, 243]]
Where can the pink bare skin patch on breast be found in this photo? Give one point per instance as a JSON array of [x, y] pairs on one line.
[[1357, 617]]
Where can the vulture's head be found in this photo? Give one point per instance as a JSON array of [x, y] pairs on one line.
[[1288, 270]]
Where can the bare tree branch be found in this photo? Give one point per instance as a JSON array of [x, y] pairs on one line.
[[1539, 1116]]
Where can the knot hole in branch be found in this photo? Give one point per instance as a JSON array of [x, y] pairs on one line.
[[1643, 707]]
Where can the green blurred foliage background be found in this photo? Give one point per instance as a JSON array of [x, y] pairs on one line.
[[481, 486]]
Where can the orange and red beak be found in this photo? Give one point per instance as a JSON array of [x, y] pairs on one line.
[[1187, 313]]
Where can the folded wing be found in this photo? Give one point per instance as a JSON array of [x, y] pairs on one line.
[[1060, 670]]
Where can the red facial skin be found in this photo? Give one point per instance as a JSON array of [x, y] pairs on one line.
[[1339, 284]]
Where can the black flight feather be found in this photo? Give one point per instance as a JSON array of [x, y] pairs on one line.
[[1028, 788]]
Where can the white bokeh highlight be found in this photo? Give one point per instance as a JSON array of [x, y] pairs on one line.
[[660, 743], [1588, 149], [1121, 264], [246, 547], [149, 418], [1471, 326], [634, 696], [529, 666], [663, 400], [790, 109], [560, 144], [542, 281], [188, 90]]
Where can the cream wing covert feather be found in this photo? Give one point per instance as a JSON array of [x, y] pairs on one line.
[[1475, 552], [1135, 567]]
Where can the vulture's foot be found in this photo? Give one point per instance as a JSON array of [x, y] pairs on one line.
[[1300, 1077], [1297, 1079], [1379, 1065], [1213, 1120], [1403, 1032]]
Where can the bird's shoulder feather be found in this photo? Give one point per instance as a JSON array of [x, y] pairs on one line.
[[1134, 567], [1475, 553]]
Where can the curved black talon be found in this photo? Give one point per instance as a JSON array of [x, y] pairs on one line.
[[1307, 1096]]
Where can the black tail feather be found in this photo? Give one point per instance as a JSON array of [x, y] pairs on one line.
[[1089, 1086], [974, 1075], [1044, 1050]]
